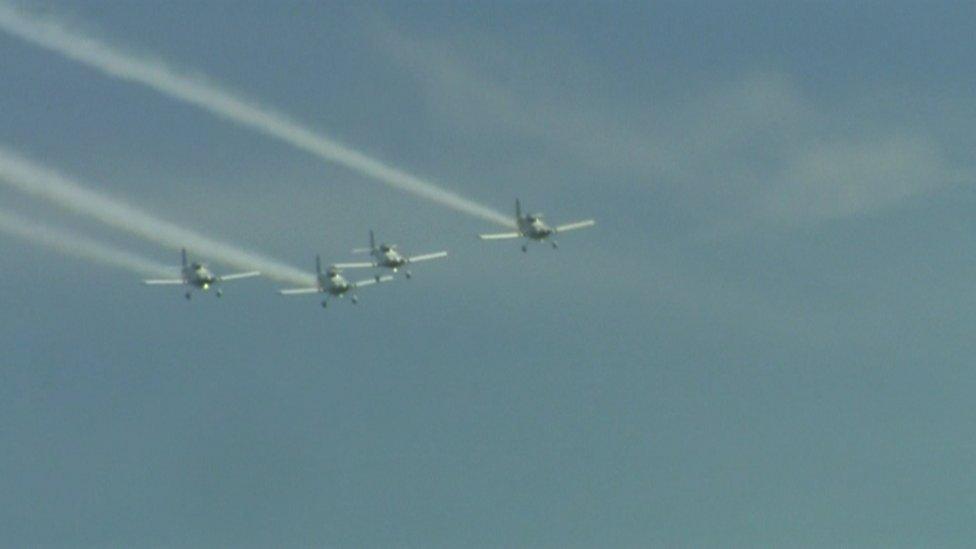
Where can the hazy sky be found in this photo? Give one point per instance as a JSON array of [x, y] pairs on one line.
[[766, 341]]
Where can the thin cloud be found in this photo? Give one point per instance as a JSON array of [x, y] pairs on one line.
[[842, 179], [741, 153]]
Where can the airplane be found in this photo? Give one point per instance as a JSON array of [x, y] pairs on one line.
[[531, 227], [388, 257], [196, 275], [332, 283]]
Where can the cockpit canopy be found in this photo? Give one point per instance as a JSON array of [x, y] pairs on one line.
[[196, 266], [387, 247]]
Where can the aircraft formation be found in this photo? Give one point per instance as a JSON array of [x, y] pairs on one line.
[[190, 89], [330, 283]]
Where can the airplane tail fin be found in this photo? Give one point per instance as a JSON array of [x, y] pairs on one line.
[[518, 209], [318, 264], [372, 245], [183, 256]]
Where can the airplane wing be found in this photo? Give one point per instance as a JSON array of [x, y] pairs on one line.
[[299, 291], [574, 226], [163, 281], [426, 257], [499, 236], [363, 265], [371, 281], [238, 276]]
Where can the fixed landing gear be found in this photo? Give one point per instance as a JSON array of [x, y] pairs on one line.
[[325, 303], [188, 295], [525, 248], [220, 293], [555, 246], [408, 274], [355, 300]]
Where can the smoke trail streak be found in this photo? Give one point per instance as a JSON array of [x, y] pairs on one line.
[[56, 37], [35, 180], [79, 246]]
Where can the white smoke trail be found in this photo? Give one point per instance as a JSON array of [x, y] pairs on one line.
[[56, 37], [79, 246], [39, 181]]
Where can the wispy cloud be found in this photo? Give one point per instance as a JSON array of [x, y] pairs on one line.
[[843, 178], [506, 93], [753, 150]]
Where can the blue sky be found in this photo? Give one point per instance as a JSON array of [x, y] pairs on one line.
[[765, 341]]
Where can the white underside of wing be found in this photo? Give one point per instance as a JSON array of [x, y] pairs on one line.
[[299, 291], [163, 282], [575, 225], [371, 281], [499, 236], [239, 276], [426, 257], [362, 265]]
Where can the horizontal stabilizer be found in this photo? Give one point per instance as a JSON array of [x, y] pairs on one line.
[[238, 276], [576, 225], [499, 236], [427, 257]]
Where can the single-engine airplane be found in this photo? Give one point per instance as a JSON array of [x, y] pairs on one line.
[[197, 275], [388, 257], [531, 227], [332, 283]]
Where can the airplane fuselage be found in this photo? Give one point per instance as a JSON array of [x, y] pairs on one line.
[[198, 276], [390, 258], [534, 228], [334, 284]]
